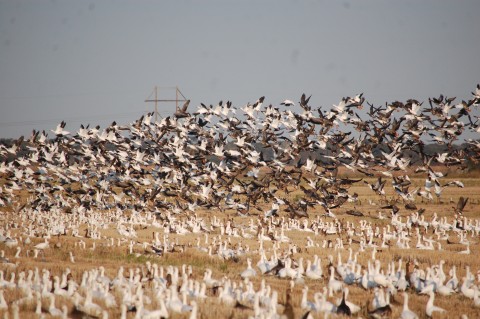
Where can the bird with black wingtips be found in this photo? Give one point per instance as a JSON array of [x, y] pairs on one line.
[[287, 103], [378, 186], [343, 308]]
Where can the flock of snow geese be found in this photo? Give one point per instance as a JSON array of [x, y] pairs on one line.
[[268, 176]]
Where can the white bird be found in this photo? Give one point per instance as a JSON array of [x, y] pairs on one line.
[[249, 272], [193, 313], [334, 285], [466, 289], [151, 314], [3, 302], [430, 307], [42, 246], [305, 304], [407, 313], [287, 103], [476, 297], [59, 131], [16, 310], [353, 307], [321, 303], [313, 272], [17, 254], [55, 312], [88, 307]]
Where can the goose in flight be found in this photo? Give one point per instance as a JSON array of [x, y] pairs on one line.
[[182, 112], [59, 131], [287, 103], [462, 201]]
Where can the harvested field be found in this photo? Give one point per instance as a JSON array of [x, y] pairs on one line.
[[101, 252]]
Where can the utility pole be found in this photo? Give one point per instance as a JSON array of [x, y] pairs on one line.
[[156, 100]]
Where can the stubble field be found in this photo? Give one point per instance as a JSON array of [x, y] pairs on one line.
[[111, 250]]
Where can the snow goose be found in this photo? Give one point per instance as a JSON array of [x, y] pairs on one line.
[[16, 310], [38, 307], [3, 302], [321, 303], [353, 307], [381, 308], [72, 257], [305, 304], [59, 131], [334, 285], [476, 297], [366, 280], [175, 304], [55, 312], [343, 308], [193, 313], [263, 264], [287, 271], [453, 281], [209, 281], [225, 296], [407, 313], [42, 246], [27, 292], [378, 298], [430, 307], [466, 288], [287, 103], [249, 272], [445, 290], [88, 307], [17, 254], [56, 288], [150, 314], [312, 272]]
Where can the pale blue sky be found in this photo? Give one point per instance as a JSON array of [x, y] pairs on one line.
[[97, 61]]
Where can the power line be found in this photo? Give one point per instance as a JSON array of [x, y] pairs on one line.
[[72, 119], [66, 95]]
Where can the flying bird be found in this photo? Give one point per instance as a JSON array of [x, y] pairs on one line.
[[288, 103]]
